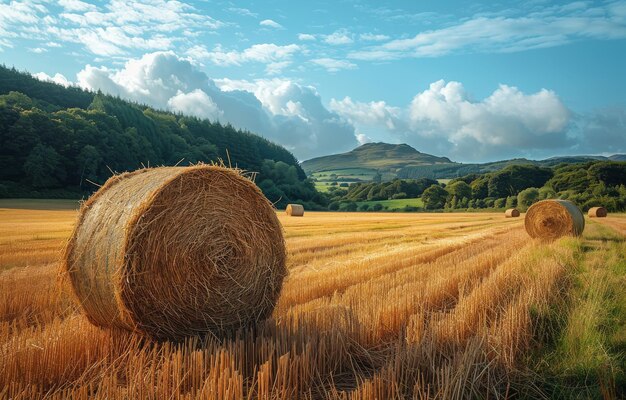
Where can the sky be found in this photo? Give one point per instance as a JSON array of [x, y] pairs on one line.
[[473, 81]]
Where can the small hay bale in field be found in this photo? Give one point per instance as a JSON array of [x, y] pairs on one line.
[[173, 252], [295, 210], [511, 213], [597, 212], [551, 219]]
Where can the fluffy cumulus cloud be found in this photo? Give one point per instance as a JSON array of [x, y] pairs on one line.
[[281, 110], [57, 78], [196, 103], [443, 119]]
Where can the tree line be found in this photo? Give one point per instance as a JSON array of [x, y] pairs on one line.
[[595, 183], [62, 142]]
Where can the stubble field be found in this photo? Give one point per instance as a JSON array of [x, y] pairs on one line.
[[376, 306]]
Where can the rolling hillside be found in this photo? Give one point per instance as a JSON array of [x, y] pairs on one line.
[[403, 161]]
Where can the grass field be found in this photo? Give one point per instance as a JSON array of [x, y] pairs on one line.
[[349, 175], [395, 204], [376, 306]]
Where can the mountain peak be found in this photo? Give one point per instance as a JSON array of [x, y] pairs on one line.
[[374, 156], [401, 148]]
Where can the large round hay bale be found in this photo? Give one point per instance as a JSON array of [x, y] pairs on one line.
[[551, 219], [177, 251], [597, 212], [511, 213], [295, 210]]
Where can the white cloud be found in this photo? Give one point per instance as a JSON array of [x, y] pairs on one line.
[[281, 110], [551, 26], [76, 5], [38, 50], [267, 53], [363, 138], [114, 28], [373, 37], [444, 120], [57, 78], [196, 103], [243, 11], [333, 65], [339, 37], [306, 37], [271, 24], [375, 114]]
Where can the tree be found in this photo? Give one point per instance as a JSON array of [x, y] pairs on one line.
[[434, 197], [350, 206], [511, 202], [527, 197], [377, 207], [88, 161], [499, 203], [459, 189], [43, 167]]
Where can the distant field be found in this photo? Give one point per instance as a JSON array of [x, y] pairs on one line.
[[348, 175], [395, 204], [376, 306]]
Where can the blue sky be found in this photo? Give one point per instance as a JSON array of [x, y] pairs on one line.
[[473, 81]]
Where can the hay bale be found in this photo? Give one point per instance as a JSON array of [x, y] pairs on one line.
[[551, 219], [295, 210], [177, 251], [511, 213], [597, 212]]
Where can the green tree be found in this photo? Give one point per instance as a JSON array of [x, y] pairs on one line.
[[459, 189], [43, 167], [434, 197], [350, 206], [364, 207], [527, 197]]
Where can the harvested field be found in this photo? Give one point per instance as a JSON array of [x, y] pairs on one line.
[[376, 306]]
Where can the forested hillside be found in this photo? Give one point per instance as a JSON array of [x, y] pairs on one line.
[[55, 141]]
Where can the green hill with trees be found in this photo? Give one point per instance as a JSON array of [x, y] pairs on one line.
[[60, 142], [385, 162]]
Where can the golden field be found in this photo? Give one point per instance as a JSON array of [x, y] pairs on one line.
[[376, 306]]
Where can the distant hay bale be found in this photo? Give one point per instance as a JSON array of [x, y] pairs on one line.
[[511, 213], [295, 210], [597, 212], [173, 252], [551, 219]]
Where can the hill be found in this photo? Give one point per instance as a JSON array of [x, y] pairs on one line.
[[55, 140], [385, 161], [385, 156]]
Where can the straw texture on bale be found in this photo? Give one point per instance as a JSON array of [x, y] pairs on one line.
[[511, 213], [597, 212], [551, 219], [295, 210], [173, 252]]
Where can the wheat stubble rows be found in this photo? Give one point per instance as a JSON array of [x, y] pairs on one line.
[[375, 306]]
